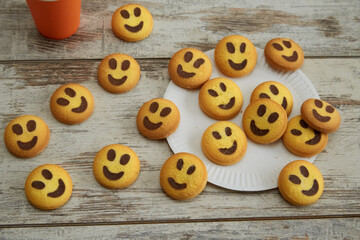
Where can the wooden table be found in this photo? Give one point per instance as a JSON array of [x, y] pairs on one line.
[[32, 67]]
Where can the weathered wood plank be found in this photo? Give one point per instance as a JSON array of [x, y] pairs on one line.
[[329, 28], [26, 87], [271, 230]]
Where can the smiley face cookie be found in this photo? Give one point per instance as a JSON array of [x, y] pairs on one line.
[[118, 73], [264, 121], [26, 136], [284, 54], [220, 98], [72, 103], [158, 118], [320, 115], [183, 176], [302, 140], [48, 187], [276, 92], [116, 166], [132, 22], [224, 143], [235, 56], [301, 183], [189, 68]]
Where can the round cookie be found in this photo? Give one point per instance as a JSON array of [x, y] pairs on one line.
[[220, 98], [320, 115], [276, 92], [132, 22], [118, 73], [235, 56], [48, 187], [26, 136], [183, 176], [301, 183], [302, 140], [264, 121], [224, 143], [72, 103], [158, 118], [284, 54], [116, 166], [189, 68]]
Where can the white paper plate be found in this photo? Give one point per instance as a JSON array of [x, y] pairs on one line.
[[261, 165]]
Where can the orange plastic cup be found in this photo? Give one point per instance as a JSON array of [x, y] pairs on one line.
[[56, 19]]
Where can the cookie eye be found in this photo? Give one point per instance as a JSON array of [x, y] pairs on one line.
[[62, 101], [70, 92], [216, 134], [46, 174], [287, 44], [274, 89], [179, 164], [112, 63], [125, 14], [137, 12], [228, 131], [154, 107], [223, 87], [242, 47], [261, 110], [278, 46], [304, 171], [111, 155], [124, 159], [303, 123], [166, 111], [230, 47], [294, 179], [125, 65], [188, 56], [198, 63], [38, 185], [296, 132], [31, 125], [191, 170], [329, 109], [264, 95], [213, 93], [273, 117], [17, 129], [318, 103]]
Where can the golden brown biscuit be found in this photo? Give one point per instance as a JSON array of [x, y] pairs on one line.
[[118, 73], [26, 136]]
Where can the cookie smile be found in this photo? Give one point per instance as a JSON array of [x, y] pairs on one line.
[[150, 125], [175, 185], [184, 74], [315, 140], [292, 58], [117, 81], [27, 145], [313, 190], [257, 131], [112, 176], [229, 105], [59, 191], [82, 107], [135, 29], [229, 151], [237, 66], [320, 117]]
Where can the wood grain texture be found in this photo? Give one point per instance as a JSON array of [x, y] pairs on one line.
[[26, 87], [328, 28]]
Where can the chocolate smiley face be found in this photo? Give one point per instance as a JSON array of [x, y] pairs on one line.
[[118, 73], [235, 56], [189, 68], [276, 92], [320, 115], [284, 54], [301, 183], [224, 143], [26, 136], [300, 139], [264, 121], [158, 118], [116, 166], [48, 187], [220, 98], [183, 176], [132, 22], [72, 103]]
